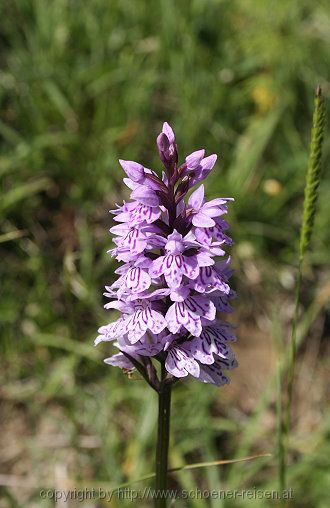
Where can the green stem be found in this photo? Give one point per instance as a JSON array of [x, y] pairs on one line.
[[285, 416], [284, 407], [293, 346], [310, 200], [163, 438], [280, 430]]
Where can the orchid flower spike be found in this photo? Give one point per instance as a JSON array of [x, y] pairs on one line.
[[172, 283]]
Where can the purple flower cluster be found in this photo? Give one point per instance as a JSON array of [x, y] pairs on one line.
[[170, 285]]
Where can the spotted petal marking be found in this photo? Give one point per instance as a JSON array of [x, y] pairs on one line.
[[211, 342], [213, 374], [209, 280], [172, 269], [109, 332], [180, 363], [178, 316], [220, 330], [135, 241], [201, 306], [157, 267], [174, 266], [190, 267], [142, 320], [137, 280], [205, 234], [188, 314], [146, 346], [143, 213], [221, 301]]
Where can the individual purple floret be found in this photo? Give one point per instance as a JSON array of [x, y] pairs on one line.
[[171, 283]]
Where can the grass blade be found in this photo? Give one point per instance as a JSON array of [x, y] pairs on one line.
[[310, 200]]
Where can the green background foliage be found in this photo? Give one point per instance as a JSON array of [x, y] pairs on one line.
[[82, 84]]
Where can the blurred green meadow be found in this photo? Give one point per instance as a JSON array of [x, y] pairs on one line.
[[82, 84]]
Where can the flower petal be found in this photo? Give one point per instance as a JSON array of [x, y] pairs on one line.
[[180, 363], [173, 272], [196, 198], [137, 280], [213, 374], [174, 364], [202, 306], [119, 360], [133, 170], [190, 267], [168, 131], [208, 163], [202, 221], [193, 160], [212, 211], [145, 195], [173, 318], [155, 321], [158, 266]]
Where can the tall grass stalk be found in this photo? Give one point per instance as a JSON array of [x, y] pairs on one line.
[[309, 210]]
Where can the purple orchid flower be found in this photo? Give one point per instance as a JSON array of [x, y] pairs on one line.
[[203, 212], [167, 147], [180, 362], [171, 283], [175, 264], [188, 313], [138, 317], [137, 213], [197, 167]]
